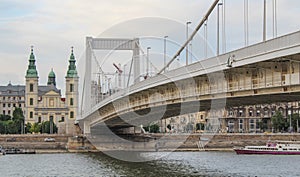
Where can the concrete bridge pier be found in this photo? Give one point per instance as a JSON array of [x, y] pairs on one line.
[[86, 127]]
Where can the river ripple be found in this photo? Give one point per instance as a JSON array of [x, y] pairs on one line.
[[174, 164]]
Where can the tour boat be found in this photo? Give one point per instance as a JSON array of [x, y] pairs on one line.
[[275, 148]]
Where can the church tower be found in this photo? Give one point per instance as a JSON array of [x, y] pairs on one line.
[[31, 90], [72, 94], [51, 78]]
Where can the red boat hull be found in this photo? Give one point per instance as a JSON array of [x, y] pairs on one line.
[[244, 151]]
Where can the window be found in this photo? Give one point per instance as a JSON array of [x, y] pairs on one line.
[[51, 102], [20, 105], [71, 101], [14, 105], [20, 98], [258, 113], [3, 98], [71, 88], [71, 114], [31, 101], [241, 125], [31, 115], [3, 105], [62, 119], [8, 112], [8, 105], [252, 124], [250, 113], [3, 112], [240, 113], [39, 119], [31, 87], [230, 113], [14, 98]]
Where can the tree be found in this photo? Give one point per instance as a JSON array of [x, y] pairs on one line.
[[5, 117], [45, 127], [278, 122], [35, 128], [28, 127], [11, 127], [18, 119]]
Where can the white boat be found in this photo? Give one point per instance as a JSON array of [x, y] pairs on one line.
[[274, 148]]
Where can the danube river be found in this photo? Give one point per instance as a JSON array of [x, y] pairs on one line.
[[174, 164]]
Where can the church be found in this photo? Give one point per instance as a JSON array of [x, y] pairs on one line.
[[44, 102]]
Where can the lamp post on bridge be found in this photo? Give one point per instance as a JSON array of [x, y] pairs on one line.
[[165, 51], [147, 70], [187, 46]]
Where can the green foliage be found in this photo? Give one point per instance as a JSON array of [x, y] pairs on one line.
[[11, 127], [154, 128], [28, 127], [4, 117], [15, 124], [35, 128], [45, 127], [279, 123]]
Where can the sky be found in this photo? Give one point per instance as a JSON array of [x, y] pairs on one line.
[[53, 26]]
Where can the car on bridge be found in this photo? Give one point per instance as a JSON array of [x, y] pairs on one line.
[[49, 140]]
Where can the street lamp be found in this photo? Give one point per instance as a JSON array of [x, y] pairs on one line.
[[124, 75], [218, 29], [187, 46], [205, 42], [147, 70], [165, 52]]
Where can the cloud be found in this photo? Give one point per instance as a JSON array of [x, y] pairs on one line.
[[54, 26]]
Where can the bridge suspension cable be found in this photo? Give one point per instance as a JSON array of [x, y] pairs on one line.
[[191, 36]]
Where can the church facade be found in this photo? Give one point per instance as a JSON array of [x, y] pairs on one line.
[[44, 102]]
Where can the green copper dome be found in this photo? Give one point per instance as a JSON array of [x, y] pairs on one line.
[[72, 72], [31, 71], [51, 78]]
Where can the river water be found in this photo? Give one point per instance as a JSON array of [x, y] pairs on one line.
[[174, 164]]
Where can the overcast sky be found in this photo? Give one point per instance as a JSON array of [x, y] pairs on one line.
[[53, 26]]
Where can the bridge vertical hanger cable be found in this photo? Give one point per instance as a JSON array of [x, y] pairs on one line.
[[264, 21], [223, 29], [246, 23], [274, 2], [191, 36]]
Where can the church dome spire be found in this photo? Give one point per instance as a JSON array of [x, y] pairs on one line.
[[31, 71], [51, 78], [72, 72]]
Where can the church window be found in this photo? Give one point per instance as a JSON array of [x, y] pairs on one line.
[[31, 87], [31, 101], [71, 101], [71, 88], [51, 102]]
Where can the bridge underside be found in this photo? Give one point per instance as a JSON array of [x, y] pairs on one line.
[[261, 74], [148, 115]]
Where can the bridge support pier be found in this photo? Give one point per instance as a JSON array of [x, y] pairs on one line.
[[86, 127]]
